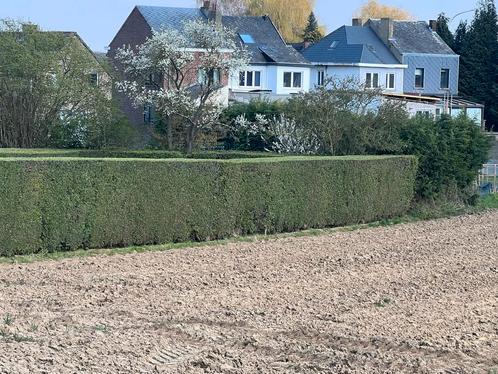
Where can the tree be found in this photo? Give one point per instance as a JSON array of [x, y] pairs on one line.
[[346, 118], [180, 84], [290, 17], [444, 31], [230, 7], [479, 68], [312, 33], [46, 83], [460, 34], [374, 9]]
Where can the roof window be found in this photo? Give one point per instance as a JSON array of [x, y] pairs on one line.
[[334, 44], [247, 39]]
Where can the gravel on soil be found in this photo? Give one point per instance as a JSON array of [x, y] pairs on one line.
[[413, 298]]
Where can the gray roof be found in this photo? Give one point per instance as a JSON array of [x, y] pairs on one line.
[[350, 45], [269, 47], [416, 37], [168, 17]]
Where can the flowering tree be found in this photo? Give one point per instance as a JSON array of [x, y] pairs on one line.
[[282, 133], [180, 73]]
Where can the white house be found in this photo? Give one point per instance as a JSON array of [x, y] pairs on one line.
[[357, 52], [276, 70]]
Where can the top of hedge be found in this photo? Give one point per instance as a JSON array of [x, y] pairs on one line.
[[125, 153], [193, 160]]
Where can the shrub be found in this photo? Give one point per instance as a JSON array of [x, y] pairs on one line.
[[54, 204], [450, 152], [238, 137]]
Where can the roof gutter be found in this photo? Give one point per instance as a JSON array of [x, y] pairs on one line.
[[361, 65]]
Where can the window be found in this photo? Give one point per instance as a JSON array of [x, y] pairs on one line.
[[94, 79], [247, 39], [334, 44], [419, 78], [445, 79], [424, 113], [209, 78], [250, 79], [390, 81], [148, 114], [372, 80], [321, 78], [293, 80]]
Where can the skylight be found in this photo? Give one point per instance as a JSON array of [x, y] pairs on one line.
[[247, 39], [334, 44]]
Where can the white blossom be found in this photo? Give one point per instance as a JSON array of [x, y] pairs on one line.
[[163, 73]]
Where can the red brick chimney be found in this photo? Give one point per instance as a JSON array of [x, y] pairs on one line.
[[211, 10], [433, 25]]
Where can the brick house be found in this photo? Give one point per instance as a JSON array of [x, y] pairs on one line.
[[275, 70]]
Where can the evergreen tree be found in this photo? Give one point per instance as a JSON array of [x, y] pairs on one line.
[[444, 31], [312, 33], [479, 68], [460, 34]]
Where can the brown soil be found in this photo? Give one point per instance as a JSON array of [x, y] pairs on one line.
[[416, 298]]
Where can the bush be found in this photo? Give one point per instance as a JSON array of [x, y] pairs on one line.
[[239, 138], [451, 152], [58, 204]]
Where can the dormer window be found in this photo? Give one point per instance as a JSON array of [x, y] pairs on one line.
[[247, 39]]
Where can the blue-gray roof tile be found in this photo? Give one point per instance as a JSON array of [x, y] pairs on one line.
[[268, 46], [350, 45]]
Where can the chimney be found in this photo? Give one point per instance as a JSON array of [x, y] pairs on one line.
[[210, 10], [386, 29], [433, 25], [357, 22]]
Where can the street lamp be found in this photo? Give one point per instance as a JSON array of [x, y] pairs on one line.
[[459, 14]]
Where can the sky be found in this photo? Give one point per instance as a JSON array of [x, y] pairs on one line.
[[97, 21]]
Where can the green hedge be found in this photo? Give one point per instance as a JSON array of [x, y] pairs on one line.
[[54, 204], [118, 153]]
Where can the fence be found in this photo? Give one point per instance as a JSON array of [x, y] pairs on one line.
[[488, 179]]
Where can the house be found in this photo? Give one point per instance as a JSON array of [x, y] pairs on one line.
[[408, 60], [275, 70], [432, 66], [357, 52]]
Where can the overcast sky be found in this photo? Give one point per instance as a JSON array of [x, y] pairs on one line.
[[97, 21]]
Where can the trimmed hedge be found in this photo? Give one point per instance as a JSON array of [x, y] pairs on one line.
[[57, 204], [118, 153]]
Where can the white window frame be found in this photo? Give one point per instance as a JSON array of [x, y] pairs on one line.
[[253, 73], [293, 75], [388, 81], [321, 78], [441, 79], [423, 78], [370, 84]]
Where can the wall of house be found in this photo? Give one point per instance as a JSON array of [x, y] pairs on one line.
[[398, 77], [413, 108], [233, 82], [432, 64], [334, 72], [276, 79], [343, 72], [134, 32]]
